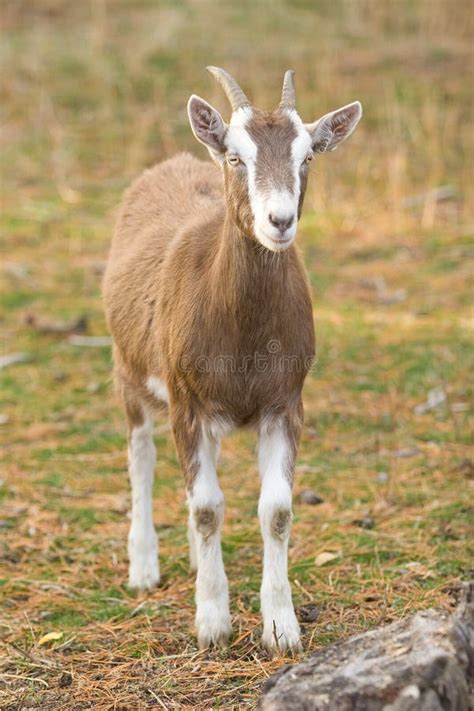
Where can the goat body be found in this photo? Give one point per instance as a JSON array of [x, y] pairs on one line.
[[196, 305]]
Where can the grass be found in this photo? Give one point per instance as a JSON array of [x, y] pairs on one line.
[[91, 94]]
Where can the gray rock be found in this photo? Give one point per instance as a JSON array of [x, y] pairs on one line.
[[422, 663], [307, 496], [308, 613]]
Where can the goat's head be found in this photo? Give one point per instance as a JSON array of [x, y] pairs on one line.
[[265, 156]]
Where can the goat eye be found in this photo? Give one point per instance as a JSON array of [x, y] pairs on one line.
[[233, 160]]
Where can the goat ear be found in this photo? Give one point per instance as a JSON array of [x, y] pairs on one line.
[[333, 128], [207, 125]]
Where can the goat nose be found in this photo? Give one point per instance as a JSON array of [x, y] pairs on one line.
[[281, 223]]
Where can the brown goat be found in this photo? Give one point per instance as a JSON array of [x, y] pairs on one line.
[[209, 307]]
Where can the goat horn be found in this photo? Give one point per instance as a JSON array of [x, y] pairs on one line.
[[288, 91], [233, 91]]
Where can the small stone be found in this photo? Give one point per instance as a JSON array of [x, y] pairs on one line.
[[308, 613], [17, 270], [465, 468], [65, 680], [6, 524], [60, 376], [310, 497], [436, 397], [366, 522], [382, 477], [406, 452], [459, 407]]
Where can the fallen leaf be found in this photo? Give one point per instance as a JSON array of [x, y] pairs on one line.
[[325, 557], [50, 637], [417, 569]]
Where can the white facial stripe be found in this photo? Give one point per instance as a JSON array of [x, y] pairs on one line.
[[300, 148], [237, 139], [281, 204], [302, 143]]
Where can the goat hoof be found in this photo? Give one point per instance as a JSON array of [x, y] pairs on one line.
[[145, 576], [214, 638], [281, 634], [213, 628]]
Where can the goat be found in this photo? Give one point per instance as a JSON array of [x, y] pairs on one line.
[[209, 307]]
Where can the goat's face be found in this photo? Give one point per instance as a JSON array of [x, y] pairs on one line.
[[266, 161], [265, 158]]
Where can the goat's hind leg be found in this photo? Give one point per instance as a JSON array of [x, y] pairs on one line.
[[143, 570]]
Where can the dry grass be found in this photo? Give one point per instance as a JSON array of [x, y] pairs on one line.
[[93, 92]]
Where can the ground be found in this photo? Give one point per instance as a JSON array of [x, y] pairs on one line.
[[91, 94]]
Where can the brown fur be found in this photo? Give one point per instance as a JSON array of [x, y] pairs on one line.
[[273, 133], [281, 522], [187, 283], [207, 521]]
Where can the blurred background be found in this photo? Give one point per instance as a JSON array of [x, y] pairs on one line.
[[92, 93]]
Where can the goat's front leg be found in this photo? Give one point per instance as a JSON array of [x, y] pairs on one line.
[[197, 450], [277, 451]]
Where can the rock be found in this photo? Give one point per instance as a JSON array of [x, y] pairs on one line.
[[422, 663], [384, 295], [13, 358], [308, 613], [366, 522], [465, 468], [406, 452], [45, 326], [310, 497], [65, 680]]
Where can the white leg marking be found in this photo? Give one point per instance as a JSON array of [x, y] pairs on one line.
[[280, 627], [142, 539], [206, 503], [192, 544], [157, 388]]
